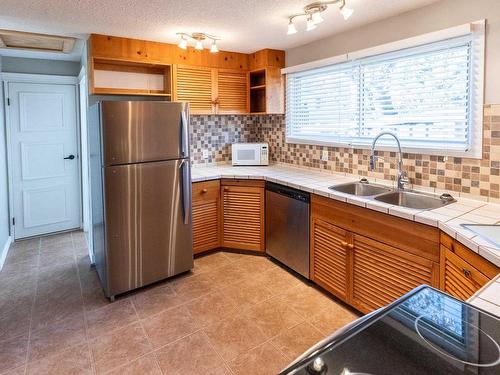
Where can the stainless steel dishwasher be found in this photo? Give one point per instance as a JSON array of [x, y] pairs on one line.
[[287, 226]]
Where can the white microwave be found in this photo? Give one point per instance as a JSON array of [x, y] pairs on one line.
[[250, 153]]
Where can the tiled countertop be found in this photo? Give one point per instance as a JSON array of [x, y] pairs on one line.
[[488, 297], [447, 218]]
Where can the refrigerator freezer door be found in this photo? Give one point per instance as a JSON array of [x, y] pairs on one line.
[[137, 131], [147, 237]]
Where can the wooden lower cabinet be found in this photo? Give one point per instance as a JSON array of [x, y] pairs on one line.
[[365, 272], [330, 257], [463, 272], [206, 216], [381, 273], [243, 214]]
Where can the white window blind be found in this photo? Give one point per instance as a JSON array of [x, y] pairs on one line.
[[423, 94]]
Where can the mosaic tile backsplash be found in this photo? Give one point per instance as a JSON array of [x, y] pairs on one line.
[[479, 178]]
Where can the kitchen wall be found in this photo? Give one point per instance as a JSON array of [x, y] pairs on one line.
[[478, 178], [40, 66], [437, 16], [4, 197]]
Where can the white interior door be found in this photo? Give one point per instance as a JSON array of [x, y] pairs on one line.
[[44, 158]]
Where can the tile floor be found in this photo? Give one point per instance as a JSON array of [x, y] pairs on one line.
[[233, 314]]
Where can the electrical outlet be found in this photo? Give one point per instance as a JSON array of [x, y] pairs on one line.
[[324, 155], [205, 154]]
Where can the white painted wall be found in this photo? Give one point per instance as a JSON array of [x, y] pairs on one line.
[[40, 66], [437, 16], [4, 196]]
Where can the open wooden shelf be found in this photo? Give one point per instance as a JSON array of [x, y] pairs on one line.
[[124, 77]]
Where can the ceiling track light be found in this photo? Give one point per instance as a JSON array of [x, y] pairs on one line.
[[198, 38], [313, 14]]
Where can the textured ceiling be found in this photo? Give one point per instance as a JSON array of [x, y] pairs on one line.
[[244, 25]]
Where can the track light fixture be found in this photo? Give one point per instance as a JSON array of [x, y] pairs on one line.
[[198, 38], [313, 13]]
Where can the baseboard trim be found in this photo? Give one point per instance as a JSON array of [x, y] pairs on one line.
[[5, 250]]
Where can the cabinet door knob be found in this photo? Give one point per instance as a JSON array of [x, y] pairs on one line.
[[343, 243], [226, 188], [204, 190], [467, 272], [350, 246]]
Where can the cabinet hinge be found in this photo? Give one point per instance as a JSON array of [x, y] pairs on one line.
[[13, 221], [8, 101]]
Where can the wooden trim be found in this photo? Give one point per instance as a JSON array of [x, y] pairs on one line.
[[242, 182]]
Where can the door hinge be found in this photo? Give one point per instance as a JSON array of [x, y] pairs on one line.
[[13, 221], [8, 101]]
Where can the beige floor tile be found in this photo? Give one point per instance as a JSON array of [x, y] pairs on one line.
[[155, 300], [263, 360], [170, 325], [13, 352], [227, 275], [54, 309], [247, 292], [255, 265], [223, 370], [94, 298], [15, 319], [212, 308], [192, 287], [146, 365], [278, 280], [307, 300], [17, 371], [75, 361], [190, 355], [57, 337], [56, 240], [54, 256], [79, 240], [211, 262], [232, 337], [111, 317], [273, 316], [296, 340], [22, 245], [22, 256], [234, 256], [330, 319], [121, 346]]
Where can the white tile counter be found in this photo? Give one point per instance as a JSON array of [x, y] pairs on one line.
[[447, 218], [488, 297]]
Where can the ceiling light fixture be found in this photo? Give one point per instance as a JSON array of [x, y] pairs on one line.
[[198, 38], [313, 13], [291, 28]]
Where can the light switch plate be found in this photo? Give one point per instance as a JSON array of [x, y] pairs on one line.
[[205, 154]]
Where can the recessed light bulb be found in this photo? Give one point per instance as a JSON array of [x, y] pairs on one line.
[[291, 28], [214, 48], [316, 17], [310, 24], [346, 12], [198, 45], [183, 43]]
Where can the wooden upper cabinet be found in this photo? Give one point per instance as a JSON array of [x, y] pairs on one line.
[[196, 86], [330, 257], [381, 273], [232, 92], [206, 216], [243, 214], [463, 272]]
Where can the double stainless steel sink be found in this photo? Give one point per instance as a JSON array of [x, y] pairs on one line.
[[397, 197]]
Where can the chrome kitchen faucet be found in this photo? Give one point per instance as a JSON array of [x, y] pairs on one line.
[[402, 175]]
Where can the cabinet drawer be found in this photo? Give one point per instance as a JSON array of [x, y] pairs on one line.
[[459, 278], [206, 190], [474, 260]]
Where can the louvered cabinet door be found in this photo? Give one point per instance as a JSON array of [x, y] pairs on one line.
[[232, 92], [330, 257], [381, 273], [206, 216], [243, 217], [195, 85], [459, 278]]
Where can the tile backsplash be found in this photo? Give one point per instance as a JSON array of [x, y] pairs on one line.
[[476, 177]]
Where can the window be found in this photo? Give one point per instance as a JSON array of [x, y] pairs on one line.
[[423, 94]]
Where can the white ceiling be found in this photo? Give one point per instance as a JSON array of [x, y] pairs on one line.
[[243, 25]]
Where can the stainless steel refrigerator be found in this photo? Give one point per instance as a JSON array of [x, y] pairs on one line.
[[141, 192]]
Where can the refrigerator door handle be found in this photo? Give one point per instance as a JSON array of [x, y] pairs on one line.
[[186, 190], [184, 135]]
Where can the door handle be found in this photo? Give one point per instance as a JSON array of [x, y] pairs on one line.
[[186, 189], [71, 157], [184, 134]]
